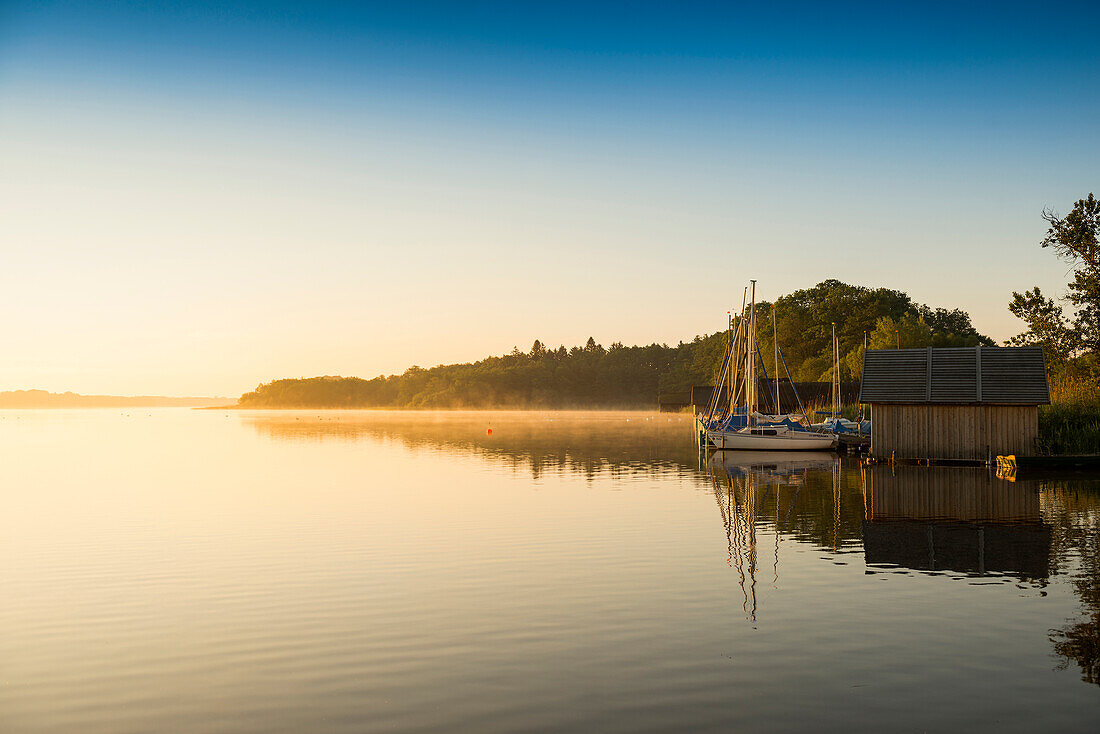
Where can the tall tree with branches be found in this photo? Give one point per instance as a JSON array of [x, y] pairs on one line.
[[1074, 238]]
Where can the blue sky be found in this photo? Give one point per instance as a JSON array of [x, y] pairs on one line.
[[199, 197]]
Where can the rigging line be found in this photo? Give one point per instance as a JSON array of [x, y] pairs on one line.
[[716, 395], [739, 386], [713, 406], [738, 359], [790, 380], [767, 383], [738, 382], [740, 329]]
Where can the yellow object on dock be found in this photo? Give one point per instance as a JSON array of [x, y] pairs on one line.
[[1006, 467]]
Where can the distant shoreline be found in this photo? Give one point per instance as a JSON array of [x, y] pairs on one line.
[[42, 399]]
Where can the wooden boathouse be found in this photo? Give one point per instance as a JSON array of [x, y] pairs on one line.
[[959, 404]]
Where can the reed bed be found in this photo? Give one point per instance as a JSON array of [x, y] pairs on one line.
[[847, 410], [1070, 389], [1069, 428], [1071, 423]]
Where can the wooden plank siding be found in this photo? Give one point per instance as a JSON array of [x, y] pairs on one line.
[[970, 432]]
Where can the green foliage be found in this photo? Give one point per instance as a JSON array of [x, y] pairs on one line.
[[628, 377], [805, 320], [1074, 238], [1071, 424], [908, 332], [1076, 383], [1047, 325], [1069, 428], [1066, 338]]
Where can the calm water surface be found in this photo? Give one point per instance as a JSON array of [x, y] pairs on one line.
[[178, 570]]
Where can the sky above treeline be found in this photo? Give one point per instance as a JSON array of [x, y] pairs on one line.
[[197, 197]]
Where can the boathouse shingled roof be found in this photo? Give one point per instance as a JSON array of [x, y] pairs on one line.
[[963, 375]]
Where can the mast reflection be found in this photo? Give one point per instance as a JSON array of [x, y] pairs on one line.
[[920, 518], [740, 481]]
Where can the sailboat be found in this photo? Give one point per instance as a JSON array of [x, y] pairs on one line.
[[748, 429], [771, 438]]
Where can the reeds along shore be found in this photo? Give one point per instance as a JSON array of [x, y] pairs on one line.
[[1071, 423]]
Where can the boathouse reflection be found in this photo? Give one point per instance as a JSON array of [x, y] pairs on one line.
[[963, 520], [920, 518]]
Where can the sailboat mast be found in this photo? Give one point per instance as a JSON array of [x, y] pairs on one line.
[[836, 374], [751, 374], [729, 375], [775, 343]]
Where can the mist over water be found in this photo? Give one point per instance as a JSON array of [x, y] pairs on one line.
[[287, 571]]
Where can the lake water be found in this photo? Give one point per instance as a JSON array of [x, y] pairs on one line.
[[180, 570]]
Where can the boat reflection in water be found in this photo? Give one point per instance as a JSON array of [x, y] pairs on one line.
[[962, 520], [742, 482], [773, 466]]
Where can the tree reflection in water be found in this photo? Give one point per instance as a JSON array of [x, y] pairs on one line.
[[1080, 643], [929, 520], [1073, 506], [588, 443]]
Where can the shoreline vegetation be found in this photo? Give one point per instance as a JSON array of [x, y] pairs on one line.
[[621, 377], [1069, 429]]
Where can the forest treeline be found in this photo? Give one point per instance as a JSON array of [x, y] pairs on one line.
[[592, 376]]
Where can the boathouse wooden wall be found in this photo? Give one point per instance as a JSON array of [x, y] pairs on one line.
[[973, 432]]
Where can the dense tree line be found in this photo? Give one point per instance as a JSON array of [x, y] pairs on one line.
[[620, 376], [881, 317], [589, 376]]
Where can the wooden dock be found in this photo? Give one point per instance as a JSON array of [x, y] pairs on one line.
[[1047, 467], [853, 443]]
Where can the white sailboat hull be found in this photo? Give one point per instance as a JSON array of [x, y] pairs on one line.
[[788, 441]]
